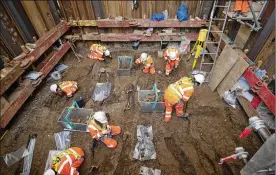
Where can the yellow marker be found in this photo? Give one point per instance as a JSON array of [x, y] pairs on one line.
[[198, 45]]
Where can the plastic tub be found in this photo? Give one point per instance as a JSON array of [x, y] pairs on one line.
[[149, 106], [124, 65], [81, 117]]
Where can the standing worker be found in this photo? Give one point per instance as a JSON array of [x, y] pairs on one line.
[[67, 87], [66, 162], [171, 55], [100, 129], [241, 7], [198, 45], [180, 91], [99, 52], [148, 63]]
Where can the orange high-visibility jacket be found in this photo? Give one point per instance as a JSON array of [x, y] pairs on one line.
[[95, 130], [69, 87], [168, 51], [97, 52], [148, 63], [68, 161], [182, 89]]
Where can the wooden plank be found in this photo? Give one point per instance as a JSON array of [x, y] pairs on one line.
[[90, 10], [4, 104], [224, 63], [232, 77], [45, 13], [82, 9], [242, 36], [35, 17], [75, 9], [247, 107]]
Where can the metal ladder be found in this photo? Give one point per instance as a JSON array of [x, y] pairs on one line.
[[220, 33]]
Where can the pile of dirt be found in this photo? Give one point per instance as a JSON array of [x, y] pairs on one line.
[[151, 98]]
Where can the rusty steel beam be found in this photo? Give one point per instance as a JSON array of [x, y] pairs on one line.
[[47, 40], [143, 23], [125, 37], [260, 88], [42, 44], [17, 98]]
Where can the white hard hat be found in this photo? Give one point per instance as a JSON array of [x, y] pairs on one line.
[[100, 116], [49, 172], [107, 53], [144, 56], [199, 78], [53, 88], [172, 55]]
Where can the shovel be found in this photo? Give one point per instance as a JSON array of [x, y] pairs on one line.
[[186, 115]]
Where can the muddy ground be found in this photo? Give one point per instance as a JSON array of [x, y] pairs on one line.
[[183, 147]]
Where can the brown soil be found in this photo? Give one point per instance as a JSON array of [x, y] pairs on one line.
[[182, 147], [151, 98], [78, 119]]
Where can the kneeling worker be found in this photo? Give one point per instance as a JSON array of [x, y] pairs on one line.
[[66, 162], [98, 52], [180, 91], [148, 63], [68, 87], [100, 129]]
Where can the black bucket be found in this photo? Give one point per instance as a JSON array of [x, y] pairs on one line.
[[79, 101]]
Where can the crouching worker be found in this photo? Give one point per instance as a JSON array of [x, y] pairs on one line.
[[66, 162], [99, 52], [100, 129], [178, 93], [148, 63], [67, 87], [171, 55]]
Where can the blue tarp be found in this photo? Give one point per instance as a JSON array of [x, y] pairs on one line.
[[182, 13], [157, 17]]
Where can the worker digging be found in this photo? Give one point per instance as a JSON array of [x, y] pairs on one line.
[[99, 52], [96, 89], [147, 61]]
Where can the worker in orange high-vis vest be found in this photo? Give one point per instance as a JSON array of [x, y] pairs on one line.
[[100, 129], [67, 87], [147, 61], [180, 92], [171, 55], [241, 8], [99, 52], [66, 162]]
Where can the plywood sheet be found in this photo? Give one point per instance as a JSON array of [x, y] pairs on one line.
[[242, 36], [233, 75], [224, 63]]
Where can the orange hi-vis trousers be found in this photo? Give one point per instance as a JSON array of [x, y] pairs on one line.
[[97, 133], [241, 5]]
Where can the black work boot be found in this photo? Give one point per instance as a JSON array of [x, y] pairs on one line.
[[236, 14], [244, 14]]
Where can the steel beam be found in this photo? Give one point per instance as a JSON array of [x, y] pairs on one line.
[[263, 37], [125, 37], [44, 43], [142, 23], [260, 88], [17, 98]]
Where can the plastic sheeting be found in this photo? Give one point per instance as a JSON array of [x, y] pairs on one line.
[[63, 140], [144, 149], [13, 157], [29, 159], [182, 13], [101, 92], [149, 171]]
